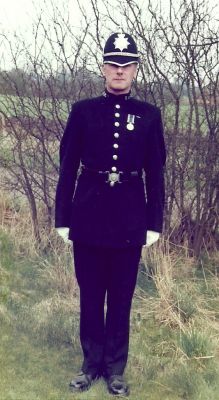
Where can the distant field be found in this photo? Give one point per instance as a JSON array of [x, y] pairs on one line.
[[184, 115], [14, 106]]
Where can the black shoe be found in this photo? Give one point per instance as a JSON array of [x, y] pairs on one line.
[[82, 382], [117, 385]]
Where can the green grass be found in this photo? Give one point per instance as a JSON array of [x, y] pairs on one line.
[[31, 371], [196, 344], [40, 351]]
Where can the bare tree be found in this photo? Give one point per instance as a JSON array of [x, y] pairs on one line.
[[178, 72], [38, 94]]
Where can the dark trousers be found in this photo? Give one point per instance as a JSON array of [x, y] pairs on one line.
[[101, 272]]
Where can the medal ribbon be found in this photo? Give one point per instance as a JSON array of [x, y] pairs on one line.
[[131, 119]]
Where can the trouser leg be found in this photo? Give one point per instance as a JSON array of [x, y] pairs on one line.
[[90, 269], [122, 275]]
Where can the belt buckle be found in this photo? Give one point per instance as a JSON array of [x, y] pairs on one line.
[[113, 177]]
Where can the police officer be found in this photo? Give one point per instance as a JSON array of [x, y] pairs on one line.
[[109, 202]]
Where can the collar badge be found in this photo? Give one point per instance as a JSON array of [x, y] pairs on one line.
[[121, 42]]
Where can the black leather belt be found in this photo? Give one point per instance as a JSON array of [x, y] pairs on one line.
[[112, 177]]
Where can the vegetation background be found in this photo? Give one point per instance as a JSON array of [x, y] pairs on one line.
[[175, 317]]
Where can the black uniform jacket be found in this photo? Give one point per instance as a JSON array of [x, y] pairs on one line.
[[97, 136]]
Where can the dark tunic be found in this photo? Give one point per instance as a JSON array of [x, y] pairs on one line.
[[96, 135]]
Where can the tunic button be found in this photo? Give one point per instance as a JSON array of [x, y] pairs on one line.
[[115, 157], [115, 146], [117, 106], [116, 124], [114, 169], [117, 115], [116, 135]]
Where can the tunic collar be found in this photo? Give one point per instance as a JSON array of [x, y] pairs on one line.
[[116, 98]]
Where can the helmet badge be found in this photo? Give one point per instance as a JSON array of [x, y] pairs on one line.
[[121, 42]]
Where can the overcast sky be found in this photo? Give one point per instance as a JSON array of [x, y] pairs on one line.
[[19, 15], [16, 14]]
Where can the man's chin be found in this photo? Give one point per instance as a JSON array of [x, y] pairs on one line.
[[120, 88]]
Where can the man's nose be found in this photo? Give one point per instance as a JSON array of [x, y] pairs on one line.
[[119, 70]]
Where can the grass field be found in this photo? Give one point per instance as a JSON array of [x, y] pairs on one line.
[[174, 331]]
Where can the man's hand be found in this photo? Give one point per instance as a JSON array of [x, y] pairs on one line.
[[151, 238], [63, 232]]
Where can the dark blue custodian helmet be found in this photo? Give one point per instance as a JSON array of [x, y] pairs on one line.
[[120, 49]]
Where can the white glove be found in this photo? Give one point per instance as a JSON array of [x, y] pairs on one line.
[[64, 232], [151, 238]]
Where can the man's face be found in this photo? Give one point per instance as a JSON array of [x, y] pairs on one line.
[[119, 79]]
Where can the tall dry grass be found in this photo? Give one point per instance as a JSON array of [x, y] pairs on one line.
[[187, 298], [16, 221]]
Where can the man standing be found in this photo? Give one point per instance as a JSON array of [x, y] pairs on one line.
[[113, 148]]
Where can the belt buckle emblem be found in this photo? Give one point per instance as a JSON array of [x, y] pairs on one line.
[[113, 177]]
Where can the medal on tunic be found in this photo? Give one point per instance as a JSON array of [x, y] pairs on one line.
[[130, 122]]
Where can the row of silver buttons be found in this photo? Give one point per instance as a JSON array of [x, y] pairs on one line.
[[116, 136]]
